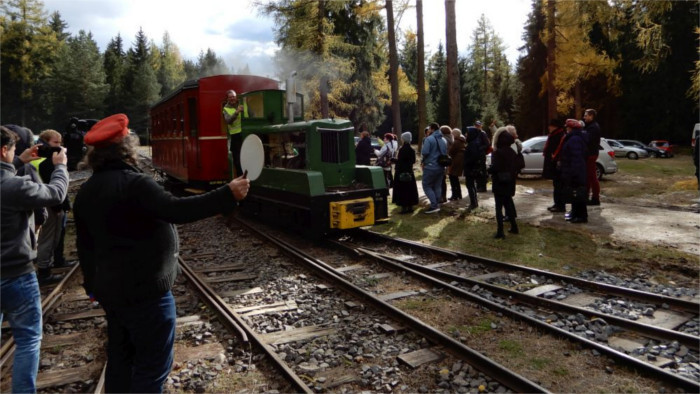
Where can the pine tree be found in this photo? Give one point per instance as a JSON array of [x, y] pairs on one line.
[[172, 71], [531, 114], [115, 67], [29, 48], [78, 83], [141, 84]]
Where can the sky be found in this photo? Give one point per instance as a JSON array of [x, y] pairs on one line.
[[237, 33]]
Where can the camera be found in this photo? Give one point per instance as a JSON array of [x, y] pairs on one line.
[[47, 151]]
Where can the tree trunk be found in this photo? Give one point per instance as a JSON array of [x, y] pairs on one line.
[[393, 70], [551, 65], [420, 58], [323, 83], [452, 70]]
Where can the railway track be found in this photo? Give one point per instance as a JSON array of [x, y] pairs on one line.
[[662, 343], [328, 339], [365, 276]]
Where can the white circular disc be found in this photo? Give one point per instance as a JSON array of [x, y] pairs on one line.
[[252, 156]]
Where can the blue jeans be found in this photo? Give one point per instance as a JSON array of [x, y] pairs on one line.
[[140, 345], [432, 185], [20, 299]]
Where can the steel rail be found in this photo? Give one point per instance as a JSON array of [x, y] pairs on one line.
[[676, 303], [680, 381], [491, 368], [235, 320]]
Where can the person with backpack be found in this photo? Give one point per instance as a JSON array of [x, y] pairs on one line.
[[384, 157]]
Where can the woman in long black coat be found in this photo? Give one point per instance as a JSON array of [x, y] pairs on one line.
[[505, 166], [405, 188]]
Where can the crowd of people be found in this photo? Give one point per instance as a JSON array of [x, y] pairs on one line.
[[570, 155], [127, 247]]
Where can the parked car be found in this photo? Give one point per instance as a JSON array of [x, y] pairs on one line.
[[694, 138], [653, 151], [630, 152], [663, 145], [534, 161]]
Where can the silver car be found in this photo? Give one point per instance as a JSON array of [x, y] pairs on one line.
[[534, 160], [628, 151]]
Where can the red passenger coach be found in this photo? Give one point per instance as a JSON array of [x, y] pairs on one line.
[[188, 135]]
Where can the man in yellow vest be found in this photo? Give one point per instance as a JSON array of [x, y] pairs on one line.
[[232, 116], [50, 234]]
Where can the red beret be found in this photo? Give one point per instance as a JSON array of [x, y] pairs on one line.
[[573, 123], [108, 131]]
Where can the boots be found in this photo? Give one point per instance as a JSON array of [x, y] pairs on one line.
[[46, 278], [513, 227], [499, 233]]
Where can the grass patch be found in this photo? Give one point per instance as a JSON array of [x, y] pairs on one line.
[[482, 327], [567, 251], [415, 304], [513, 348], [540, 363]]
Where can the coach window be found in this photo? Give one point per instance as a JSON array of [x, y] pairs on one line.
[[192, 111], [173, 124], [181, 116]]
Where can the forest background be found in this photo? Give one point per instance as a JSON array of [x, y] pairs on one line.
[[635, 61]]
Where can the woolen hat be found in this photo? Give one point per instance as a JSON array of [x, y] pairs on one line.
[[108, 131], [406, 137]]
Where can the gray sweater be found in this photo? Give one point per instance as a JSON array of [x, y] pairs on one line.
[[19, 197]]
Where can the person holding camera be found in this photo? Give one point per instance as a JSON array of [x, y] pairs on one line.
[[50, 235], [20, 298]]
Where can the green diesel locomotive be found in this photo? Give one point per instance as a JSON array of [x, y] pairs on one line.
[[309, 182]]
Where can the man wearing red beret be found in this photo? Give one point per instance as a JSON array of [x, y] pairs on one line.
[[128, 249]]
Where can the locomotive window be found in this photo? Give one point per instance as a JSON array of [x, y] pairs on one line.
[[192, 111], [254, 102]]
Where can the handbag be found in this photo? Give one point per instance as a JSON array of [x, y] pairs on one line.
[[405, 177], [444, 160]]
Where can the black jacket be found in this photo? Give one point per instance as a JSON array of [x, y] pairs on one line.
[[127, 246], [363, 151], [592, 133]]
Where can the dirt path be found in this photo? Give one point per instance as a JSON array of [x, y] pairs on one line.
[[656, 225]]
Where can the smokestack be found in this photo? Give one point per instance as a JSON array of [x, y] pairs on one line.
[[291, 96]]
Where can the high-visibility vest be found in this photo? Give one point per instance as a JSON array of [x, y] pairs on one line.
[[36, 163], [235, 127]]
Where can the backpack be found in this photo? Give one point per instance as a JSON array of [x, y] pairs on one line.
[[474, 152]]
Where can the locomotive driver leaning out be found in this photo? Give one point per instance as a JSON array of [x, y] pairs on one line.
[[128, 250], [232, 117]]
